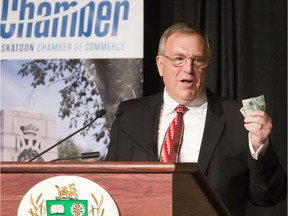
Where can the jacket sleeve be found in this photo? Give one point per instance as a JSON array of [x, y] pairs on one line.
[[268, 180]]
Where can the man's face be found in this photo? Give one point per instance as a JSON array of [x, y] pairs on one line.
[[183, 83]]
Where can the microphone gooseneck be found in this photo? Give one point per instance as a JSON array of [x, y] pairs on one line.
[[134, 141], [99, 114], [118, 115], [86, 155]]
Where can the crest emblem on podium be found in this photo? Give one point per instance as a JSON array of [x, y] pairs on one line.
[[67, 202], [67, 196]]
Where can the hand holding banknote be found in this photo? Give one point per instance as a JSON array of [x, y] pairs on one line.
[[256, 121]]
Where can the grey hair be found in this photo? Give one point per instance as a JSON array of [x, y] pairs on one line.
[[184, 28]]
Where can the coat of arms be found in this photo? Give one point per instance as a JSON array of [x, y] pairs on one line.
[[67, 199]]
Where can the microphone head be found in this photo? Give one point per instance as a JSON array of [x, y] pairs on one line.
[[119, 113], [100, 113]]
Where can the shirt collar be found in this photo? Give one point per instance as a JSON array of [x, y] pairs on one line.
[[169, 104]]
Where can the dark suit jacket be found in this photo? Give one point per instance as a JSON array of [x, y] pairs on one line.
[[224, 156]]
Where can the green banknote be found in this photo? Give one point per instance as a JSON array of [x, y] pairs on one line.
[[253, 104]]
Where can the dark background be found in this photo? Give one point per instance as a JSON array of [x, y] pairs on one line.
[[249, 56]]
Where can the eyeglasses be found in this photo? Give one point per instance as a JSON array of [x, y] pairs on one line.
[[180, 60]]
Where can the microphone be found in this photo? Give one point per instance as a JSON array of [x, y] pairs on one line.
[[99, 114], [86, 155]]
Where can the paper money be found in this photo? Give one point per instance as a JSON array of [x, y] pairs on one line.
[[253, 104]]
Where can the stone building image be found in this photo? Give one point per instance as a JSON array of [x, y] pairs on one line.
[[24, 134]]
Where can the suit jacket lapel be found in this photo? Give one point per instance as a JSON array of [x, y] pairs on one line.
[[214, 127]]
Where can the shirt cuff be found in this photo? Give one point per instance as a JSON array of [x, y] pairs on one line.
[[261, 151]]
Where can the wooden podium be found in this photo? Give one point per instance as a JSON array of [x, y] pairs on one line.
[[138, 188]]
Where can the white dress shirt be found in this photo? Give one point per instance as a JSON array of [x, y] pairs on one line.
[[194, 122]]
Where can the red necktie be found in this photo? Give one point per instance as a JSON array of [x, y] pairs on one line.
[[173, 136]]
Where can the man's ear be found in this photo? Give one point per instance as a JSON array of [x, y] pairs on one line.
[[159, 62]]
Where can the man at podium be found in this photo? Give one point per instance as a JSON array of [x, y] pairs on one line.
[[187, 122]]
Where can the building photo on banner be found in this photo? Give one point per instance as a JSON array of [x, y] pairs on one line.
[[61, 63]]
